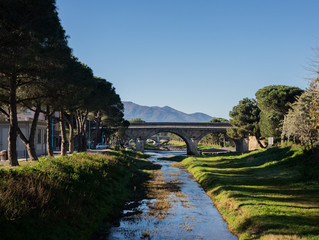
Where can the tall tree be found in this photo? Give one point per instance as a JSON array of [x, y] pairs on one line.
[[274, 102], [314, 88], [30, 34], [300, 121], [41, 95], [245, 118], [105, 106], [76, 85]]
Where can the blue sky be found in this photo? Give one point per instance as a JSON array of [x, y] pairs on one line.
[[194, 55]]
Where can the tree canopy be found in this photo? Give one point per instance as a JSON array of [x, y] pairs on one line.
[[277, 98], [219, 120], [245, 118], [137, 120], [300, 122], [32, 44], [38, 71], [274, 101]]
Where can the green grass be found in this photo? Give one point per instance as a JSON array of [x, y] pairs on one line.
[[181, 145], [21, 164], [264, 194], [67, 197], [176, 145], [207, 146]]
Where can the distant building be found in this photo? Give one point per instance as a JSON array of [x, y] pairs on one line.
[[25, 121]]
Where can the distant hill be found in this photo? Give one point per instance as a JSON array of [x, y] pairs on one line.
[[161, 114]]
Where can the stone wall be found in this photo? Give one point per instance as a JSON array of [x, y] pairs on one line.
[[253, 144]]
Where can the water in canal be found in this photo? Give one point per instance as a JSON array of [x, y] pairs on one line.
[[176, 208]]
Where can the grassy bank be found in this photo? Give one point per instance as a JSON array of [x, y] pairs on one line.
[[265, 194], [67, 197], [181, 145], [175, 145], [207, 146]]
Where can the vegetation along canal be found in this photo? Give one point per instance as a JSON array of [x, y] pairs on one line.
[[175, 207]]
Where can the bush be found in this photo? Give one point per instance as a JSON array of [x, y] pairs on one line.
[[65, 197]]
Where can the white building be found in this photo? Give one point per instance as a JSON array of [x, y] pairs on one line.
[[25, 122]]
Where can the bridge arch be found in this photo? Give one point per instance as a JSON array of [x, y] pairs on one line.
[[226, 137], [189, 145]]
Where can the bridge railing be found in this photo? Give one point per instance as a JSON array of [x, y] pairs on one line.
[[179, 125]]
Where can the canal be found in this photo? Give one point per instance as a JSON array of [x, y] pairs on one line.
[[176, 207]]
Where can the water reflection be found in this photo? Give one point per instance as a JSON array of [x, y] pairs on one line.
[[176, 207]]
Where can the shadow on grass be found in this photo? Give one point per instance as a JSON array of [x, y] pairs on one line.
[[178, 158], [276, 224], [276, 190], [254, 158], [206, 151]]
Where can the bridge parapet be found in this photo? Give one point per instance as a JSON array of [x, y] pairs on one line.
[[187, 125]]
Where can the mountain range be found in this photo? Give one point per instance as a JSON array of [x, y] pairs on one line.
[[161, 114]]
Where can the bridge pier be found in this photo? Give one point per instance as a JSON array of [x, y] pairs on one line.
[[242, 145], [139, 144], [192, 147]]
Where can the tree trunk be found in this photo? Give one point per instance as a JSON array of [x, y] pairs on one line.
[[83, 136], [31, 151], [97, 128], [259, 143], [77, 125], [282, 139], [13, 124], [71, 135], [29, 143], [81, 119], [49, 132], [30, 147], [63, 134], [79, 132]]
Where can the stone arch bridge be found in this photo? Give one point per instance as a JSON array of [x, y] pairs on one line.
[[191, 133]]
